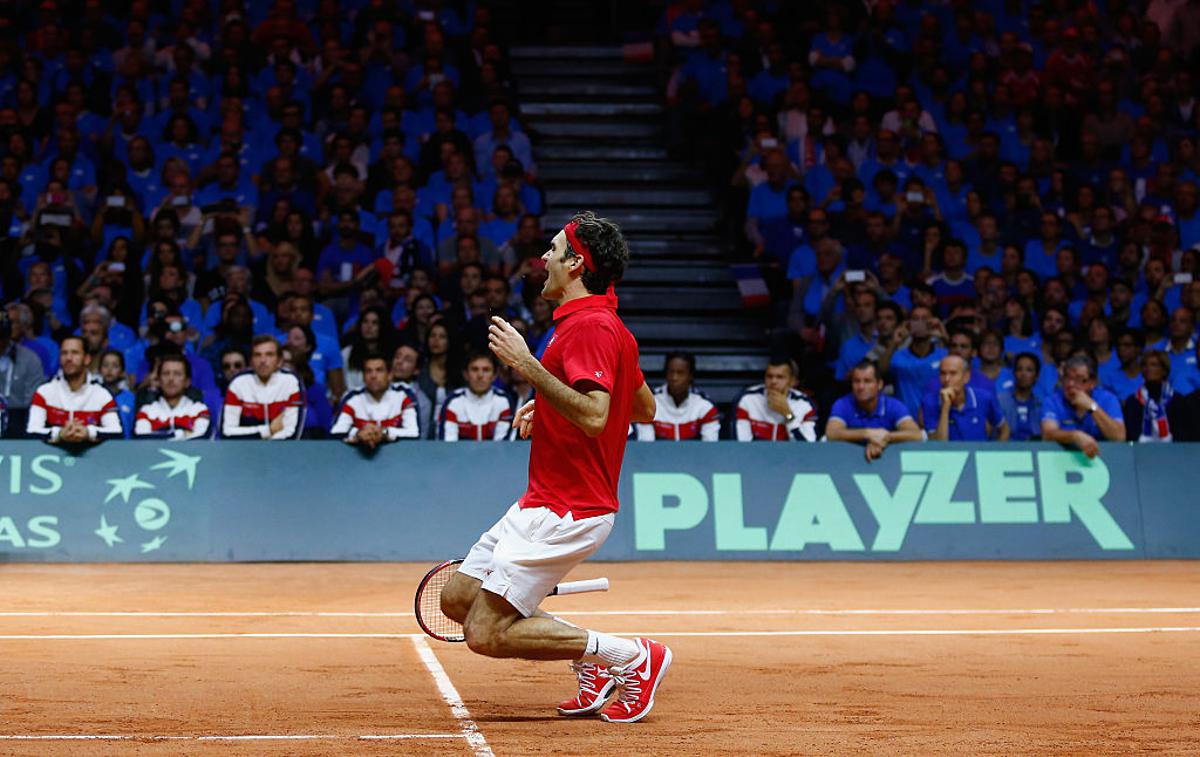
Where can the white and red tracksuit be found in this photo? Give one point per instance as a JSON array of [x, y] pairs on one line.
[[395, 412], [756, 421], [251, 405], [54, 405], [469, 416], [694, 418], [188, 419]]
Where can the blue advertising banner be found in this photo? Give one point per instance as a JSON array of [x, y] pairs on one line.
[[247, 501], [1169, 492]]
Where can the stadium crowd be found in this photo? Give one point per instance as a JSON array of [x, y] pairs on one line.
[[294, 219], [993, 204], [261, 219]]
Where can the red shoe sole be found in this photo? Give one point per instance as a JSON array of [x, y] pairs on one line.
[[598, 705]]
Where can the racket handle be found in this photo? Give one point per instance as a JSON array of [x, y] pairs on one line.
[[579, 587]]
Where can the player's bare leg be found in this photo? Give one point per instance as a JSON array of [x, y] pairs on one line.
[[495, 628], [594, 682]]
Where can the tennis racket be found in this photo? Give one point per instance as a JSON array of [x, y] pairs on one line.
[[427, 605]]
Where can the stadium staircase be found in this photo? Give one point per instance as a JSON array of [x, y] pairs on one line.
[[600, 143]]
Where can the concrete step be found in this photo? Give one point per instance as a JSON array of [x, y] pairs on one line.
[[605, 109], [667, 223], [643, 198], [615, 130], [606, 52], [569, 68], [671, 250], [681, 332], [659, 299], [534, 88], [607, 152], [692, 272], [653, 360], [567, 172]]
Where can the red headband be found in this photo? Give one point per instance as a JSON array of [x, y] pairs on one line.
[[579, 247]]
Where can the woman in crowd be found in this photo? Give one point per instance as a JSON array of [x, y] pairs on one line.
[[373, 336]]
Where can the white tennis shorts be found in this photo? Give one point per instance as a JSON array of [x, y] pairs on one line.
[[529, 552]]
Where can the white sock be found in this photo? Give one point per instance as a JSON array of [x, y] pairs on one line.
[[609, 651]]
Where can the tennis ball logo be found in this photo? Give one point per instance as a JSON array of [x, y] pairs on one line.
[[152, 514]]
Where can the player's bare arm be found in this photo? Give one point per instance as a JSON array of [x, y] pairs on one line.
[[644, 405], [587, 411]]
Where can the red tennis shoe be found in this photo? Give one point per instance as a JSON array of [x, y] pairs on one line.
[[637, 683], [595, 687]]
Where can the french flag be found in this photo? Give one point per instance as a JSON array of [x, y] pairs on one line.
[[751, 285]]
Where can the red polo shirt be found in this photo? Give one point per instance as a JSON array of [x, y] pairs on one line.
[[569, 471]]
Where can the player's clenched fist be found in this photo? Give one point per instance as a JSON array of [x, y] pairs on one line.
[[523, 420], [507, 342]]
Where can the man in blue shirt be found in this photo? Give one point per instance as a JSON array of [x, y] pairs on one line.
[[707, 66], [1123, 376], [913, 366], [1080, 412], [868, 416], [768, 201], [959, 413], [345, 262]]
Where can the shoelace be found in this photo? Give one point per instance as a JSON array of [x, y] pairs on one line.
[[587, 679], [630, 686]]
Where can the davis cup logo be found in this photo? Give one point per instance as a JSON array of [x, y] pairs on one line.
[[137, 507]]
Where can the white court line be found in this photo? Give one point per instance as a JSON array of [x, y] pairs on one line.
[[417, 637], [446, 687], [261, 737], [663, 613]]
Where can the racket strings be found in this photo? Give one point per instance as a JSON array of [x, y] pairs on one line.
[[430, 606]]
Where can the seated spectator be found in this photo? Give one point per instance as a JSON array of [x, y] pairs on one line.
[[681, 413], [1021, 406], [959, 413], [870, 417], [913, 357], [1150, 412], [25, 333], [113, 377], [963, 344], [1123, 375], [264, 402], [20, 372], [377, 413], [442, 370], [405, 363], [1080, 412], [1180, 346], [990, 363], [345, 264], [774, 410], [478, 411], [70, 408], [305, 346], [953, 285], [769, 200], [373, 336], [172, 414]]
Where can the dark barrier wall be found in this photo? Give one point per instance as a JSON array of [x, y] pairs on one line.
[[141, 501]]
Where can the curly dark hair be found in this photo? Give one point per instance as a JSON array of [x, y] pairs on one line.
[[609, 250]]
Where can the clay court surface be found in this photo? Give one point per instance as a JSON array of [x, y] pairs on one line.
[[770, 659]]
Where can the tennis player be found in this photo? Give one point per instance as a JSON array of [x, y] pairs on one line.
[[589, 388]]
